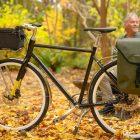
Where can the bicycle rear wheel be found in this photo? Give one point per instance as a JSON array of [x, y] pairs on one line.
[[28, 110], [122, 116]]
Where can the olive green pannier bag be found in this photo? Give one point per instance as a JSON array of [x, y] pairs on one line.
[[128, 65]]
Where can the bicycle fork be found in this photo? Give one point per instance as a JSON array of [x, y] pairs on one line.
[[15, 92]]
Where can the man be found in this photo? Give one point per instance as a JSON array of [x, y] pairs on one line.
[[131, 26]]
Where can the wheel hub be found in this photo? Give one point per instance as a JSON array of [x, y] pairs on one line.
[[9, 101]]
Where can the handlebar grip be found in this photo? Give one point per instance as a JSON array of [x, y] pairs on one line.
[[36, 24]]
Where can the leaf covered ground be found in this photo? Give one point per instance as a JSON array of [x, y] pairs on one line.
[[46, 130]]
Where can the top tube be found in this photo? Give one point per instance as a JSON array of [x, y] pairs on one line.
[[97, 31]]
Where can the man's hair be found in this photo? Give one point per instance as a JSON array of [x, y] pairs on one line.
[[130, 15]]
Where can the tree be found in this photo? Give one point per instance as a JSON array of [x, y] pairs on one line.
[[82, 8], [102, 8]]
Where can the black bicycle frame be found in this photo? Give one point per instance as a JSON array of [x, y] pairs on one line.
[[55, 81], [92, 52]]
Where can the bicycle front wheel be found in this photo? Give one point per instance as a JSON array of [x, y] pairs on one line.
[[26, 111], [112, 110]]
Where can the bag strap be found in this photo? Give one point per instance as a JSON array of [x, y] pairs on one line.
[[137, 81]]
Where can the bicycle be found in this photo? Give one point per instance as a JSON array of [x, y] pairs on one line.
[[23, 109]]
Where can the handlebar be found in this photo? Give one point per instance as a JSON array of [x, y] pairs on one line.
[[31, 27]]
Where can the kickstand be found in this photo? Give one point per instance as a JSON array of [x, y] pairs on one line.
[[76, 127], [61, 118]]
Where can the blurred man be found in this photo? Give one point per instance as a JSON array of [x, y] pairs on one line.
[[131, 26]]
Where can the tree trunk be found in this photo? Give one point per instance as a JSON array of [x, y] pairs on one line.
[[105, 48], [102, 11]]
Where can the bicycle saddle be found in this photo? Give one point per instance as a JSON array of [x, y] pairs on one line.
[[101, 30]]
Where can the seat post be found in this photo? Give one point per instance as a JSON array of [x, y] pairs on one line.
[[97, 41]]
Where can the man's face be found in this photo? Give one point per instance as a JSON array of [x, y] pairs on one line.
[[132, 25]]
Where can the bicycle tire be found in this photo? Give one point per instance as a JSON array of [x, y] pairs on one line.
[[28, 105], [110, 123]]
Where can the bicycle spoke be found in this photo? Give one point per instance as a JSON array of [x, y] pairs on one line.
[[112, 107], [25, 111]]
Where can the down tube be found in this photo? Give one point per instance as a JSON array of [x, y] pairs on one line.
[[54, 80]]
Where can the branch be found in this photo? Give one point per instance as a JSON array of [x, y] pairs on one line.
[[107, 4], [82, 12], [85, 23], [96, 6]]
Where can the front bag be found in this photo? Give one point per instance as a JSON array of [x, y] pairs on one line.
[[12, 38]]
